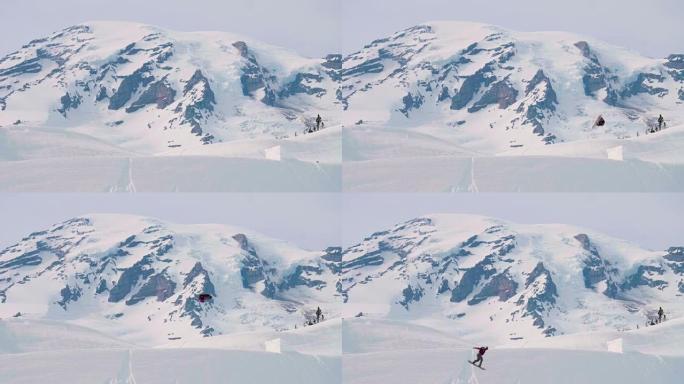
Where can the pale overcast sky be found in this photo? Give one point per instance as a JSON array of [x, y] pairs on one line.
[[317, 27], [315, 221]]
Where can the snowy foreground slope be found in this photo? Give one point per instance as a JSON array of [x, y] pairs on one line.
[[432, 100], [113, 298], [382, 362], [54, 352]]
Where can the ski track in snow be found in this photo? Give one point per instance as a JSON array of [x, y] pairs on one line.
[[131, 185], [473, 185], [131, 377]]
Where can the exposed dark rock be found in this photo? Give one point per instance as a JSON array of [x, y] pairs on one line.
[[129, 85], [159, 93], [129, 278], [299, 86], [201, 276], [333, 254], [471, 278], [69, 102], [159, 286], [27, 259], [25, 67], [501, 93], [675, 61], [369, 66], [471, 85], [204, 101], [333, 61], [68, 295], [302, 276], [411, 294], [542, 102], [641, 85], [595, 268], [411, 102], [501, 286], [101, 94], [675, 254], [644, 277]]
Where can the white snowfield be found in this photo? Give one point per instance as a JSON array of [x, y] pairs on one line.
[[112, 299], [41, 160], [53, 352], [441, 106], [383, 160], [379, 360]]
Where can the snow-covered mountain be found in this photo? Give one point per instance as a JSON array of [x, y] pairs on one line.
[[138, 278], [496, 280], [151, 90], [491, 89]]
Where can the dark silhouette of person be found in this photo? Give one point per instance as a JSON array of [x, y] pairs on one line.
[[480, 353], [660, 314], [661, 120], [318, 314], [318, 122]]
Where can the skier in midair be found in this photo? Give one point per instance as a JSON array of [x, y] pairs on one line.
[[480, 352]]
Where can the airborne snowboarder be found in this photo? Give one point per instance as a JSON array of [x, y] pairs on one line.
[[600, 121], [480, 352]]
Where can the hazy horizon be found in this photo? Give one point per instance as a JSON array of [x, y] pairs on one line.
[[315, 221], [315, 28]]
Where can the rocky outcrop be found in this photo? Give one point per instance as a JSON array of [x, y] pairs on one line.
[[411, 101], [69, 102], [140, 78], [158, 93], [472, 277], [539, 104], [595, 269], [141, 270], [483, 77], [501, 93], [160, 286], [500, 285], [410, 295]]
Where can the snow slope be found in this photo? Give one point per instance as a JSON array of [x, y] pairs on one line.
[[406, 112], [40, 351], [489, 280], [457, 106], [77, 106], [112, 298], [380, 361], [138, 279]]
